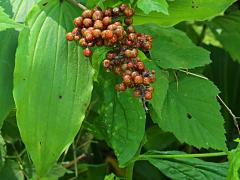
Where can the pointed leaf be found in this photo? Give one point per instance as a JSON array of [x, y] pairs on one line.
[[148, 6], [191, 113], [122, 118], [184, 10], [8, 44], [190, 168], [6, 22], [52, 85], [226, 28], [173, 49]]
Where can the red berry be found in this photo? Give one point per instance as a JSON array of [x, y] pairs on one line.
[[130, 65], [97, 15], [127, 79], [97, 33], [87, 52], [128, 21], [108, 12], [128, 12], [75, 31], [150, 89], [131, 29], [122, 7], [134, 74], [146, 81], [78, 21], [107, 20], [88, 36], [106, 63], [87, 22], [76, 38], [69, 36], [87, 13], [152, 78], [132, 36], [137, 93], [83, 42], [148, 95], [140, 65], [108, 34], [98, 24], [138, 79]]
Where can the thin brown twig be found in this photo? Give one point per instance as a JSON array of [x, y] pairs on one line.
[[234, 117], [79, 5], [75, 161]]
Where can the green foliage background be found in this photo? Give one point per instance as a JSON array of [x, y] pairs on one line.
[[60, 117]]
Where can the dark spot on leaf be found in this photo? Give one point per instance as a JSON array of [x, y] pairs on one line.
[[44, 4], [40, 143], [196, 6], [60, 96], [189, 116], [24, 79]]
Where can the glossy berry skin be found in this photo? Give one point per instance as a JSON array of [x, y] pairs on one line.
[[146, 81], [87, 52], [87, 22], [70, 36], [107, 20], [98, 24], [128, 21], [129, 12], [87, 13], [138, 79], [127, 79], [78, 22], [148, 95], [116, 11], [108, 12], [83, 42], [150, 89], [122, 7], [106, 63], [137, 93], [97, 33], [140, 65], [97, 15]]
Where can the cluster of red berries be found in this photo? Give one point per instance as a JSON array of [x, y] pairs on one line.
[[97, 27]]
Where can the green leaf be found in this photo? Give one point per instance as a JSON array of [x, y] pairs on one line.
[[148, 6], [52, 86], [8, 44], [92, 171], [158, 139], [226, 28], [184, 10], [191, 113], [190, 168], [234, 166], [173, 49], [7, 23], [11, 171], [122, 119]]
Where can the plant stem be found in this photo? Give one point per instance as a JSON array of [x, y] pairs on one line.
[[79, 5], [169, 156], [129, 171]]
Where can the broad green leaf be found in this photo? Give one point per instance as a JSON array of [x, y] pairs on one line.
[[191, 112], [122, 117], [17, 10], [184, 10], [52, 85], [173, 49], [226, 28], [98, 56], [158, 139], [190, 168], [92, 171], [7, 23], [11, 171], [234, 166], [148, 6]]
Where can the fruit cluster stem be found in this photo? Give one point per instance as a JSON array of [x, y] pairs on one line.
[[79, 5]]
